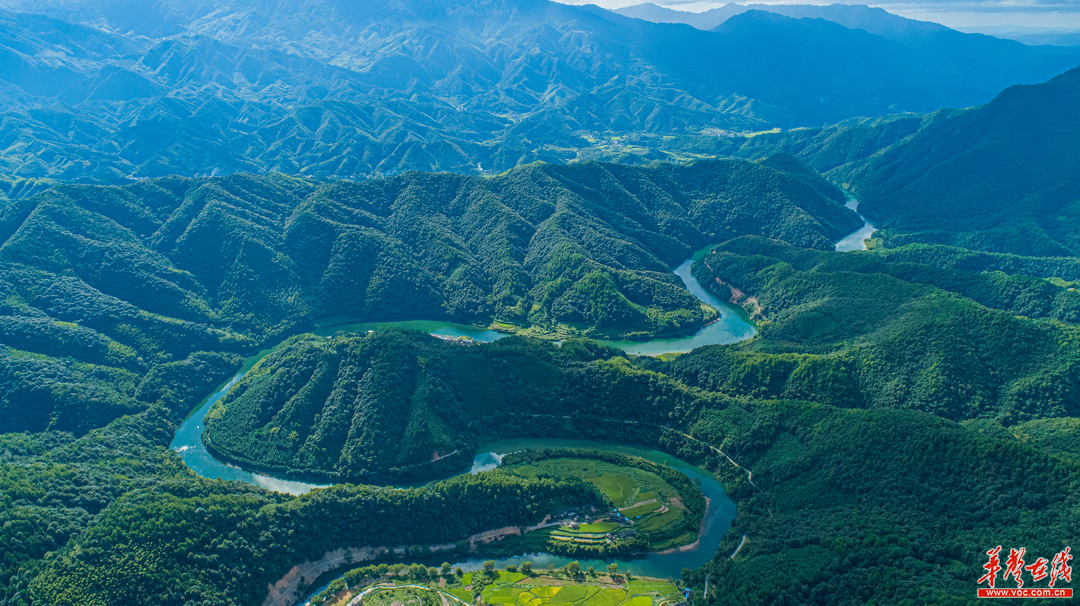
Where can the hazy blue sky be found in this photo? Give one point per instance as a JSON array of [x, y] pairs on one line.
[[1064, 14]]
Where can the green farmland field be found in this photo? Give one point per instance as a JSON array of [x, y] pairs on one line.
[[571, 593], [623, 485], [503, 588], [642, 496], [598, 528], [641, 509], [618, 487], [661, 521]]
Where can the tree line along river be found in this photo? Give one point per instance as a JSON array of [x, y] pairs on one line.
[[731, 326]]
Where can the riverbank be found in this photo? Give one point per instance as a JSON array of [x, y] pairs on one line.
[[720, 513], [856, 240], [701, 530], [731, 325], [284, 591]]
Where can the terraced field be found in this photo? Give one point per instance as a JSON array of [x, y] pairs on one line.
[[599, 529], [638, 510], [645, 501], [586, 533], [623, 485], [636, 593]]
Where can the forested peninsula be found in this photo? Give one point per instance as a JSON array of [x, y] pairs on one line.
[[214, 234], [850, 411], [117, 299]]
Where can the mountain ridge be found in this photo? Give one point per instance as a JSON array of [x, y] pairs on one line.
[[1001, 177], [334, 92], [127, 286]]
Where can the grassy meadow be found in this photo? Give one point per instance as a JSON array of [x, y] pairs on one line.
[[649, 503]]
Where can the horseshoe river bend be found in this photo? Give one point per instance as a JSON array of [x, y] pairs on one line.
[[731, 326]]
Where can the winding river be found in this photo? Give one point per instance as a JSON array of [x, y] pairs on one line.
[[718, 518], [856, 240], [732, 325]]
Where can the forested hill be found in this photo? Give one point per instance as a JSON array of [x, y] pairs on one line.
[[848, 495], [94, 90], [1000, 177], [884, 329], [898, 328], [395, 406], [114, 298], [841, 498]]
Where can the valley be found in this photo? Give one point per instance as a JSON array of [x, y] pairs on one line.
[[189, 437], [719, 395], [523, 303], [580, 588]]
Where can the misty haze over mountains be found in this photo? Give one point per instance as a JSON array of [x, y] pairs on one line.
[[873, 19], [107, 91], [825, 259]]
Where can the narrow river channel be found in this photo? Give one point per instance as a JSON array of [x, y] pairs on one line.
[[718, 518], [731, 326], [856, 240]]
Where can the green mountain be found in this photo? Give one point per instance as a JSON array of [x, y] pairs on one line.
[[836, 494], [1000, 178], [97, 92], [393, 405], [882, 329], [846, 492], [900, 411], [871, 330], [885, 504], [113, 299]]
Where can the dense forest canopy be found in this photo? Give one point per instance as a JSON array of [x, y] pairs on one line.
[[836, 496], [799, 406], [882, 329], [877, 330], [1002, 177], [383, 406], [900, 411], [114, 299]]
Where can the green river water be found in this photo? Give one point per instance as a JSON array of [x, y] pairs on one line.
[[731, 326]]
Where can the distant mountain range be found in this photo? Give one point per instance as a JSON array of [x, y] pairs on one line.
[[1034, 36], [99, 92], [1003, 177], [874, 20], [976, 58]]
